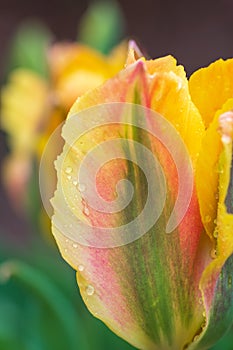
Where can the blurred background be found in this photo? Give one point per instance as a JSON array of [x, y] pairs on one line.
[[40, 305]]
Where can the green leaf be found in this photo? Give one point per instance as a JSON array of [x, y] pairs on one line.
[[102, 26], [225, 343], [38, 315], [28, 48]]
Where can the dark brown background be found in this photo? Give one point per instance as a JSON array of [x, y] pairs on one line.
[[195, 32]]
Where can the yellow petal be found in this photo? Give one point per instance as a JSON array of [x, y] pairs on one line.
[[24, 106], [222, 247], [77, 68], [170, 97], [208, 171], [211, 87]]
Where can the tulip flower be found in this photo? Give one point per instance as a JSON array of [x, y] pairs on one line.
[[43, 104], [156, 288]]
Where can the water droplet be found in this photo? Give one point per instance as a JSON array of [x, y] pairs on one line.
[[67, 240], [215, 234], [81, 187], [86, 211], [220, 170], [80, 268], [195, 338], [68, 170], [69, 177], [200, 301], [90, 290], [65, 250], [75, 182], [75, 245], [213, 253], [207, 218]]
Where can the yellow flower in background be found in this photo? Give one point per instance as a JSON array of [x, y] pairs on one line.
[[32, 106], [24, 112], [76, 68]]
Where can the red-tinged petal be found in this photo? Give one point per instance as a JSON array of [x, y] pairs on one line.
[[143, 290]]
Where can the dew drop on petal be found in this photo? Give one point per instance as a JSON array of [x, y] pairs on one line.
[[68, 170], [213, 253], [80, 268], [207, 218], [90, 290], [81, 187], [75, 182], [75, 245], [86, 211]]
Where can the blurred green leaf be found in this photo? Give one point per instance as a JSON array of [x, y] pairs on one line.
[[102, 26], [226, 343], [38, 315], [28, 48]]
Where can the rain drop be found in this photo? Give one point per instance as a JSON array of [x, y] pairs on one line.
[[75, 182], [207, 218], [68, 170], [81, 187], [69, 177], [213, 254], [86, 211], [75, 245], [80, 268], [90, 290]]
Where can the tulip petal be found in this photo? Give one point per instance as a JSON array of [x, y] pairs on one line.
[[208, 171], [211, 87], [219, 318], [216, 281], [77, 68], [144, 291]]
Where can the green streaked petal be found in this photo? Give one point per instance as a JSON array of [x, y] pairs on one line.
[[220, 317], [53, 303], [146, 291]]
